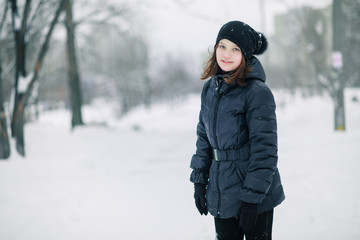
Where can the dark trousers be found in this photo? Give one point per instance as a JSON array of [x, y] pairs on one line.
[[228, 229]]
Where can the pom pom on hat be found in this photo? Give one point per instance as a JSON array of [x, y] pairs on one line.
[[245, 37], [262, 44]]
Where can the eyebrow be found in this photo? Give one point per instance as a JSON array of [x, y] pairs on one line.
[[232, 45]]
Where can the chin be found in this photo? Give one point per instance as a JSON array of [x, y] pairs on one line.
[[227, 69]]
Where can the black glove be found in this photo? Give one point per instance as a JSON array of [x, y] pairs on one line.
[[200, 199], [247, 215]]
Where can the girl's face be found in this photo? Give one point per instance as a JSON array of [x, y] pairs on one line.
[[228, 55]]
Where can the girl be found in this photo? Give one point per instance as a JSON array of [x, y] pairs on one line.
[[235, 165]]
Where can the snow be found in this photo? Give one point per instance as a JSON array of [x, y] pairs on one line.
[[24, 82], [17, 22], [129, 178]]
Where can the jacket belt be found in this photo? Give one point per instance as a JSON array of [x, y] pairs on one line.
[[231, 154]]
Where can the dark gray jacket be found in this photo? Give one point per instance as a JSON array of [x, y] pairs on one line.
[[236, 155]]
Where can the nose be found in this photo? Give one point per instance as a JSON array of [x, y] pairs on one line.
[[227, 53]]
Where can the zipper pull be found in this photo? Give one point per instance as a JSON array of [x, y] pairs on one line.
[[218, 83]]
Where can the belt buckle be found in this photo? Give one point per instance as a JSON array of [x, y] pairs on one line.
[[216, 155]]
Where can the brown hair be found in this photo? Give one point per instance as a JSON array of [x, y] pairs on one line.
[[211, 68]]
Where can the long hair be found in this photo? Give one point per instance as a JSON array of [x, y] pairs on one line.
[[211, 68]]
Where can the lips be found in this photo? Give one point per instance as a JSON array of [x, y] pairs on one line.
[[226, 62]]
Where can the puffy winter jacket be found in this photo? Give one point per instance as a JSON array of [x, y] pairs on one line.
[[236, 150]]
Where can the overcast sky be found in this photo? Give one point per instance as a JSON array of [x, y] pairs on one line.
[[191, 26]]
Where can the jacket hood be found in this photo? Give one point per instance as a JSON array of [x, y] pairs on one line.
[[257, 70]]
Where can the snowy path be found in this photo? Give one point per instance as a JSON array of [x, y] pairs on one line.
[[120, 183]]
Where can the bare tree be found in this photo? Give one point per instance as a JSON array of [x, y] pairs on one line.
[[4, 138], [23, 92], [73, 72], [351, 41], [327, 43]]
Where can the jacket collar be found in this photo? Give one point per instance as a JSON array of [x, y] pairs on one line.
[[221, 86], [257, 70]]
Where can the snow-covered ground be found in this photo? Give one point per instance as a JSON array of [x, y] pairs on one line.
[[129, 179]]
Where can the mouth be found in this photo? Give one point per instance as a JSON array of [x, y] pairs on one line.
[[226, 62]]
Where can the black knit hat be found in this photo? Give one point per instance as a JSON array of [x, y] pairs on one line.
[[246, 38]]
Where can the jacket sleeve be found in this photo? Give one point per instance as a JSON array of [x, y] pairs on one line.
[[201, 160], [261, 120]]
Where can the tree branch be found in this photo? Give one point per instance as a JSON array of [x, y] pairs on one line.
[[25, 17], [4, 16], [7, 71], [44, 47], [110, 13], [87, 17], [37, 9]]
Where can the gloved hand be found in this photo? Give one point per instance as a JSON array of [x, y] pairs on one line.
[[247, 215], [200, 199]]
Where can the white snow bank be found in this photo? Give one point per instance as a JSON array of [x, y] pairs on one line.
[[129, 178]]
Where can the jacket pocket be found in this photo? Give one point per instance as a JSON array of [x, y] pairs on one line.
[[233, 177], [241, 173]]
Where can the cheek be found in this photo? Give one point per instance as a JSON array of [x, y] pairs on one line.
[[237, 60], [218, 54]]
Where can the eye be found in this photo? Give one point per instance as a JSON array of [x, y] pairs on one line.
[[236, 49], [221, 46]]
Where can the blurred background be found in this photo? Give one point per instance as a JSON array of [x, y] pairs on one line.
[[99, 102], [143, 51]]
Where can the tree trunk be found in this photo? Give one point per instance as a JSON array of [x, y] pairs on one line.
[[338, 80], [19, 35], [73, 73], [4, 137], [339, 112]]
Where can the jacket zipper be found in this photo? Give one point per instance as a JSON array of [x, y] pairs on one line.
[[217, 145], [220, 95]]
